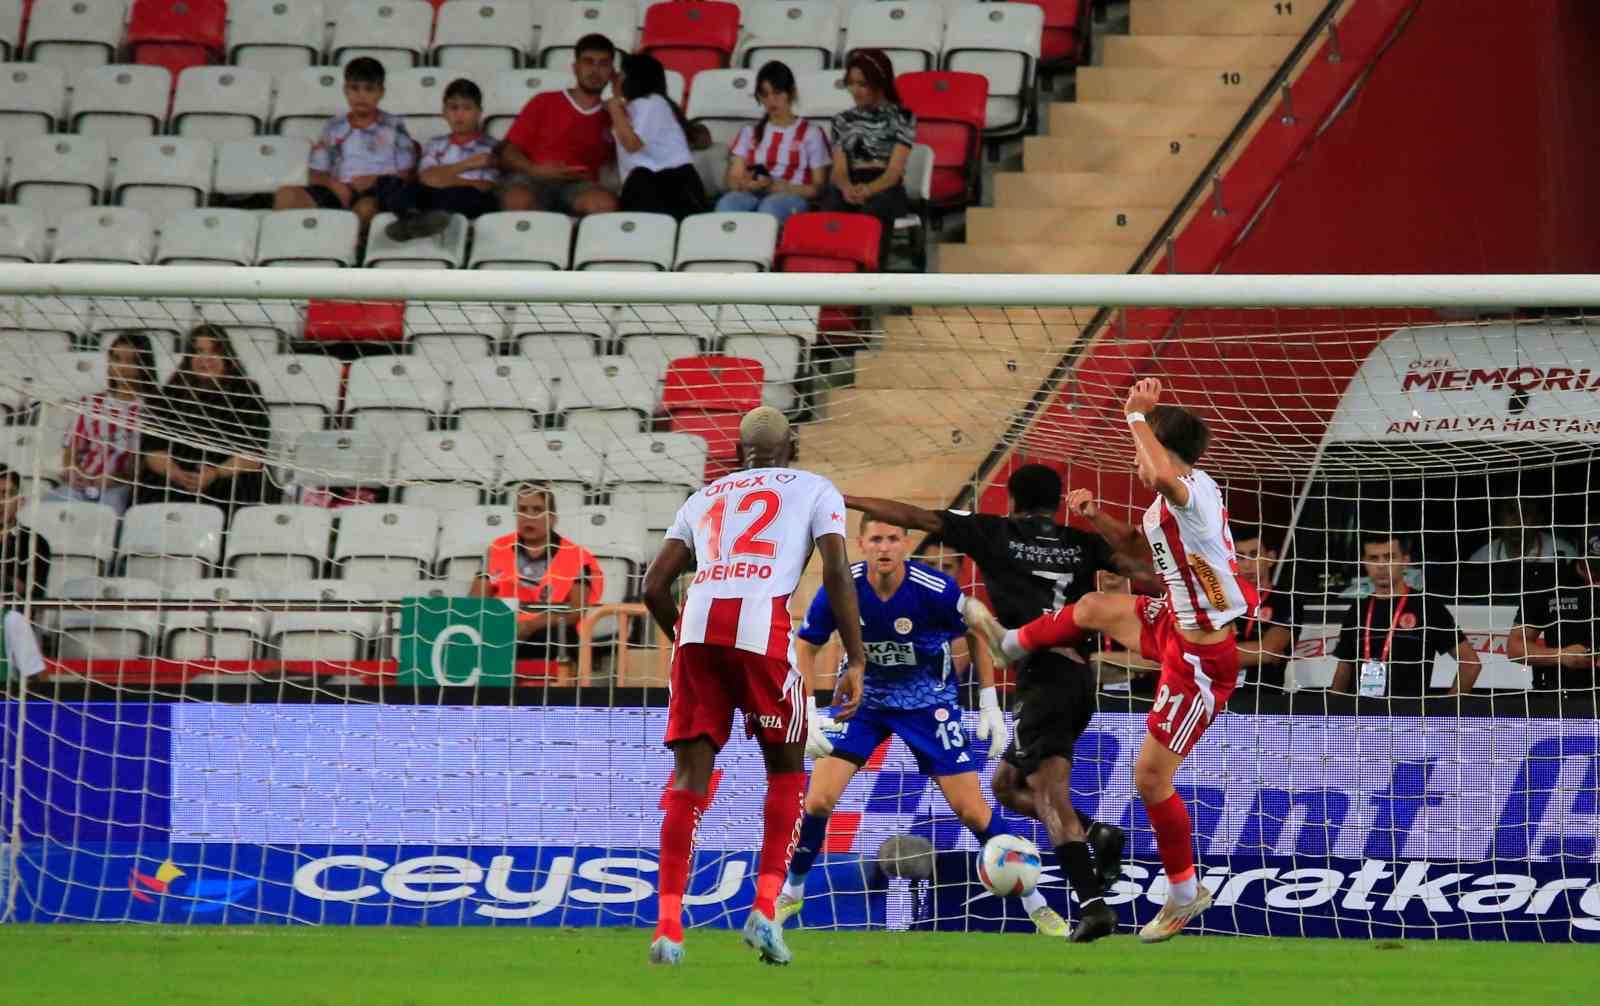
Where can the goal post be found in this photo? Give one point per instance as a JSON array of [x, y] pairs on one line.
[[275, 683]]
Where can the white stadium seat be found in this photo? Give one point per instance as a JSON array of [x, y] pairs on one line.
[[801, 33], [58, 174], [221, 102], [780, 355], [597, 321], [378, 543], [607, 384], [394, 397], [446, 470], [82, 538], [616, 539], [279, 542], [306, 99], [445, 250], [522, 240], [727, 242], [480, 37], [464, 538], [554, 457], [105, 234], [170, 542], [341, 458], [724, 101], [626, 242], [10, 28], [565, 23], [301, 390], [259, 165], [104, 634], [653, 352], [452, 333], [417, 96], [909, 33], [554, 352], [822, 95], [162, 174], [323, 635], [233, 634], [651, 460], [207, 237], [22, 234], [33, 98], [120, 102], [500, 396], [275, 36], [506, 92], [308, 238], [75, 34], [394, 32], [67, 377], [1000, 41]]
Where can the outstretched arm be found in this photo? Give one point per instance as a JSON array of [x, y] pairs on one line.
[[1155, 466], [894, 512], [841, 588], [670, 563]]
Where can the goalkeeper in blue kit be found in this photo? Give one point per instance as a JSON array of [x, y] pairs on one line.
[[909, 615]]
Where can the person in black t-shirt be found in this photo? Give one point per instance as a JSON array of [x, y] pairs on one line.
[[1032, 565], [24, 571], [1266, 636], [1388, 640], [1557, 630]]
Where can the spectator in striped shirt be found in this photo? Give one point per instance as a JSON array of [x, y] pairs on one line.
[[101, 452], [458, 172], [781, 163], [871, 144]]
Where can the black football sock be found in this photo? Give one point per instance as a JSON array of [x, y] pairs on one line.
[[1078, 865]]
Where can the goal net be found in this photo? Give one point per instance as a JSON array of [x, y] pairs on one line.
[[259, 526]]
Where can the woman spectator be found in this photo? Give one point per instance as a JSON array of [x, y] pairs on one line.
[[653, 158], [871, 143], [209, 431], [781, 163], [101, 455]]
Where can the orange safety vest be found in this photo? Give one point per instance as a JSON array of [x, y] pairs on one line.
[[568, 563]]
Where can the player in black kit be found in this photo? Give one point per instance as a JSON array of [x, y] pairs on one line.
[[1032, 565]]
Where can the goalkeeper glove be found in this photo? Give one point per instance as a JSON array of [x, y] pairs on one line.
[[992, 722], [817, 745]]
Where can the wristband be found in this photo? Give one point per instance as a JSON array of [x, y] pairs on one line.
[[988, 699], [1135, 417]]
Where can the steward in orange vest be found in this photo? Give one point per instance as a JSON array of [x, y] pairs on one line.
[[540, 570]]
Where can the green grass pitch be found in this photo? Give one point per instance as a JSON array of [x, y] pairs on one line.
[[132, 965]]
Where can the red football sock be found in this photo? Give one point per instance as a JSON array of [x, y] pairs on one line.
[[1055, 628], [785, 797], [678, 827], [1174, 837]]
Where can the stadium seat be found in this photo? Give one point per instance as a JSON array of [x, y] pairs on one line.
[[207, 237], [378, 543], [10, 28], [119, 102], [522, 241], [275, 36], [32, 100], [105, 234], [505, 93], [332, 635], [464, 538], [950, 109], [417, 96], [1067, 27], [554, 352], [110, 633], [652, 473], [260, 165], [450, 333], [593, 320], [652, 352], [341, 458], [355, 321], [400, 589], [82, 538], [781, 356], [301, 391], [395, 33], [724, 102], [447, 470], [726, 242], [702, 384], [306, 99], [554, 457], [565, 23], [221, 102], [803, 34], [445, 250], [233, 634], [162, 174], [609, 385], [690, 36], [22, 234], [178, 34], [500, 396], [617, 542], [626, 242], [918, 183], [308, 238], [822, 96], [58, 175], [1001, 42], [829, 242], [910, 33], [74, 34], [479, 37], [278, 543], [169, 543], [393, 397]]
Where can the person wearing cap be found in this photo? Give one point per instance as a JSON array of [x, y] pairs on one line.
[[1556, 629]]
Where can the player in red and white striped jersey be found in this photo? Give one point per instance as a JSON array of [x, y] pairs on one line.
[[748, 537], [1189, 629]]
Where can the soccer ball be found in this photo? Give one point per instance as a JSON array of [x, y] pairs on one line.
[[1009, 865]]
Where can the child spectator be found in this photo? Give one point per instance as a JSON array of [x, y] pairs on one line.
[[781, 162], [101, 454], [554, 151], [362, 159], [456, 174], [653, 159]]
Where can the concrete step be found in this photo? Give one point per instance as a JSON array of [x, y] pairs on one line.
[[1200, 51], [988, 329], [1114, 191], [1093, 120], [1127, 154], [1008, 373], [1179, 84], [1037, 258], [1223, 17], [1132, 228]]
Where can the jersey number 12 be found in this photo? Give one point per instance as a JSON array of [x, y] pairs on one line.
[[750, 542]]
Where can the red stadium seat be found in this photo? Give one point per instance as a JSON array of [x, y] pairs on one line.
[[695, 385], [829, 242], [720, 430], [178, 34], [951, 108], [355, 321], [1066, 32], [689, 36]]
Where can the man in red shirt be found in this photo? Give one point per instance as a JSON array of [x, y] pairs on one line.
[[554, 152]]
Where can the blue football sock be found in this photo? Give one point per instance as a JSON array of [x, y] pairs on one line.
[[990, 830], [813, 830]]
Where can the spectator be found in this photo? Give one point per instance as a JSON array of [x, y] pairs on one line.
[[1557, 630], [457, 172], [1387, 642], [1266, 636], [208, 431], [653, 158], [24, 572], [362, 160], [100, 456], [560, 141], [1520, 533], [871, 143], [551, 579], [781, 163]]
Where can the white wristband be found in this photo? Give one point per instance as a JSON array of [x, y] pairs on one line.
[[988, 699], [1135, 417]]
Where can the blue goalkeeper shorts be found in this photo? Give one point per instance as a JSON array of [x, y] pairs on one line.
[[934, 734]]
